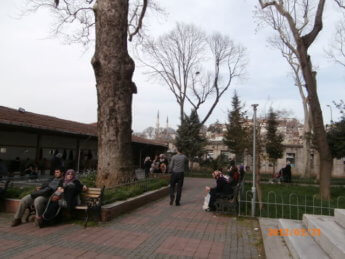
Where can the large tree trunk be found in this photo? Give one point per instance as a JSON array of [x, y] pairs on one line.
[[326, 162], [113, 69], [306, 170], [307, 137]]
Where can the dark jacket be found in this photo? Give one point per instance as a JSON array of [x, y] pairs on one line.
[[71, 192], [222, 187], [70, 195], [147, 166], [48, 188]]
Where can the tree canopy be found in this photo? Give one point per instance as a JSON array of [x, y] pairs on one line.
[[189, 139], [236, 135], [274, 146]]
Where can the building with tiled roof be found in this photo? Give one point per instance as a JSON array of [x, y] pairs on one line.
[[37, 138]]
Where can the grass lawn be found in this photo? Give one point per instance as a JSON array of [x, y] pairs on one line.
[[292, 201]]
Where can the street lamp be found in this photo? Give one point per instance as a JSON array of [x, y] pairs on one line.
[[330, 108], [254, 159]]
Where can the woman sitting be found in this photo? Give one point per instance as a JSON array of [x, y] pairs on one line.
[[66, 196], [223, 187]]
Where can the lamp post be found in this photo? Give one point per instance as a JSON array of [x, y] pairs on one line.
[[254, 159], [330, 108]]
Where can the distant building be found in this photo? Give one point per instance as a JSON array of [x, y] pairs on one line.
[[163, 134], [292, 131]]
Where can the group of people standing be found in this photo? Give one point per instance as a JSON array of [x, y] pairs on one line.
[[158, 166], [61, 191]]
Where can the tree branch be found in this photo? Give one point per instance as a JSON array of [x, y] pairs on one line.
[[140, 22], [310, 37]]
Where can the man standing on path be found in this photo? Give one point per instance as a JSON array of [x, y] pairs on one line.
[[177, 167]]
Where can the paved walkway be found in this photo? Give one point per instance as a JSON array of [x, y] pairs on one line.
[[156, 230]]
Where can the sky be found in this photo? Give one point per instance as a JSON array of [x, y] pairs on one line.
[[44, 75]]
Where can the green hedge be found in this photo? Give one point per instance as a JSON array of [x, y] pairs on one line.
[[124, 192], [19, 192]]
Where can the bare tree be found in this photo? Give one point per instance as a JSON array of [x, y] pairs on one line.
[[340, 3], [113, 68], [285, 43], [336, 51], [180, 59], [75, 19], [295, 16]]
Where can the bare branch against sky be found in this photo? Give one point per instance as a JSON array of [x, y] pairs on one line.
[[43, 75]]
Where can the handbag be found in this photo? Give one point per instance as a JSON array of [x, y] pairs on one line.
[[206, 202]]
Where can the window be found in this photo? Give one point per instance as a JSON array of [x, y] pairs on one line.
[[3, 150], [225, 153]]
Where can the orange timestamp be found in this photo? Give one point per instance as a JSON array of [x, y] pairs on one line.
[[294, 232]]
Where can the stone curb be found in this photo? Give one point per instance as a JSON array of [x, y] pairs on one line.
[[112, 210]]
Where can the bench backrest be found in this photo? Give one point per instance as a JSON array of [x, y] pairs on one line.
[[93, 195]]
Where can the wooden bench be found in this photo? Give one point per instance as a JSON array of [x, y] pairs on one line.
[[90, 202], [228, 203]]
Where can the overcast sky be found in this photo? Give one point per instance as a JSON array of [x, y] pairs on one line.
[[45, 76]]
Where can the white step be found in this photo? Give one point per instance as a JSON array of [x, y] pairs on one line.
[[339, 215], [275, 246], [300, 247], [332, 235]]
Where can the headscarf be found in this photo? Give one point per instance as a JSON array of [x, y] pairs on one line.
[[66, 180]]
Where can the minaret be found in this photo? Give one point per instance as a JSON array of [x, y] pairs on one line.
[[167, 122], [157, 125]]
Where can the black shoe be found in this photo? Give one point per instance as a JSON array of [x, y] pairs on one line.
[[171, 202], [39, 222], [16, 222], [178, 204]]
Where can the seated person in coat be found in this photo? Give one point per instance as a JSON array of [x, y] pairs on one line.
[[223, 187], [234, 175], [38, 198], [66, 197]]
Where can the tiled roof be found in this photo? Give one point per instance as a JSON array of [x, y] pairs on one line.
[[26, 119]]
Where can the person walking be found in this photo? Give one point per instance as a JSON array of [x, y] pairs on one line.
[[147, 166], [178, 165]]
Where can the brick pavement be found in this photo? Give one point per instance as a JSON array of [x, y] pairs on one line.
[[156, 230]]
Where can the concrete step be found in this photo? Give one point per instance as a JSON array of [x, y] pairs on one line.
[[300, 246], [332, 235], [339, 215], [275, 246]]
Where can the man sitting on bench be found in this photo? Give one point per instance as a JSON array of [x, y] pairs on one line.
[[38, 198], [223, 187]]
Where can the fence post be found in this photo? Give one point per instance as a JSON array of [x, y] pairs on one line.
[[254, 160]]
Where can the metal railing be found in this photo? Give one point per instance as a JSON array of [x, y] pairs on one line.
[[292, 207]]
